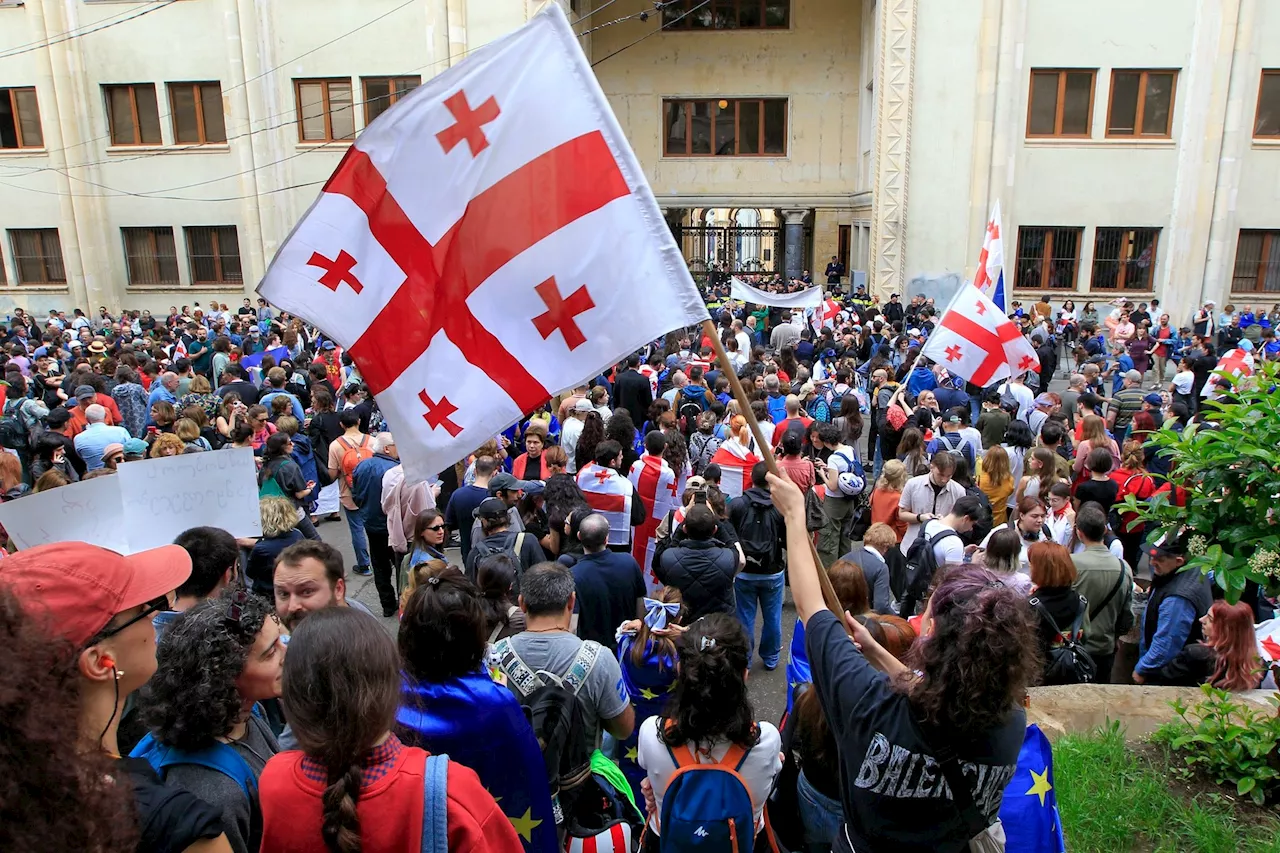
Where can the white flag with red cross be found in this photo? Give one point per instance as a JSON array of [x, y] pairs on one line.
[[976, 341], [824, 315], [736, 461], [487, 242], [1234, 365]]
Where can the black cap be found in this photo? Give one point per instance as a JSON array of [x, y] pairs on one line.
[[491, 508], [1169, 545]]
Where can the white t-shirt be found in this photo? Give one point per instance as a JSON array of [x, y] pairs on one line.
[[758, 770], [1022, 559], [1183, 380], [950, 549], [1023, 395], [744, 342]]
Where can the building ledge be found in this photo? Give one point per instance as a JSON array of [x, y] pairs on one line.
[[127, 150], [1267, 142], [1088, 295], [1071, 142], [35, 288], [184, 288], [336, 145], [23, 152]]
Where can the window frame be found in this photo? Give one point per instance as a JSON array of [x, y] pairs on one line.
[[1127, 232], [393, 96], [1061, 103], [12, 92], [687, 104], [325, 83], [1257, 115], [201, 131], [684, 12], [154, 259], [133, 107], [40, 234], [1047, 258], [1141, 103], [1270, 245], [189, 232]]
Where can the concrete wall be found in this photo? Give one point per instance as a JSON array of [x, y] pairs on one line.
[[969, 145], [815, 65], [83, 186]]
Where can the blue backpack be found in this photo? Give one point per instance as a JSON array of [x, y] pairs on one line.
[[777, 408], [707, 807]]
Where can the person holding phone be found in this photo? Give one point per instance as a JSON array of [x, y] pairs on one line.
[[281, 476]]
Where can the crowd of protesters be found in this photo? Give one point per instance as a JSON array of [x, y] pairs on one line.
[[571, 662]]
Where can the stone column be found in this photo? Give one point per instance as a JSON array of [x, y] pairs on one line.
[[793, 242], [894, 84]]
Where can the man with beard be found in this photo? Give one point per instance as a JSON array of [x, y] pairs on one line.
[[309, 576]]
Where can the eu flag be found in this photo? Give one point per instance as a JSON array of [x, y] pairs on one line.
[[797, 665], [648, 682], [479, 724], [279, 354], [1030, 808]]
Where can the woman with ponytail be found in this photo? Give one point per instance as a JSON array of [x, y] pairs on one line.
[[647, 656], [709, 712], [906, 730], [354, 787]]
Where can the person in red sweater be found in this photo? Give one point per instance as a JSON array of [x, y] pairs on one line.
[[354, 786]]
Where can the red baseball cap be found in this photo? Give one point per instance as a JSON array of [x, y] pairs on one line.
[[81, 587]]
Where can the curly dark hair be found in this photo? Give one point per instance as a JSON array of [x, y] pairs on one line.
[[192, 698], [621, 428], [980, 658], [710, 699], [562, 496], [54, 796], [676, 451], [592, 434]]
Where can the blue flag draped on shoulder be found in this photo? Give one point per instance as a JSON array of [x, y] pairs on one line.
[[1030, 808], [480, 725], [649, 684], [255, 359]]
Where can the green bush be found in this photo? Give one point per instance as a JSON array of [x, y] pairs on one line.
[[1234, 743], [1232, 476]]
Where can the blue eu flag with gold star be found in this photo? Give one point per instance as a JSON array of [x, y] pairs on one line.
[[649, 681], [1030, 808], [479, 724]]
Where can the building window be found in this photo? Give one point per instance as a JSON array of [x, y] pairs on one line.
[[742, 128], [1257, 263], [132, 114], [1267, 122], [1048, 258], [37, 254], [197, 113], [1060, 103], [150, 255], [20, 119], [214, 252], [844, 238], [726, 15], [1124, 258], [381, 92], [325, 111], [1141, 103]]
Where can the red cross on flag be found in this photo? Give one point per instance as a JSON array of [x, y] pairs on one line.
[[487, 242], [825, 314], [656, 484], [1234, 365], [977, 342]]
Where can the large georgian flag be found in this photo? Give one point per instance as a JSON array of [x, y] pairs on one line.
[[608, 493], [978, 343], [486, 242]]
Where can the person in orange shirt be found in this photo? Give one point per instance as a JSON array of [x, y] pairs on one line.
[[887, 494], [86, 396]]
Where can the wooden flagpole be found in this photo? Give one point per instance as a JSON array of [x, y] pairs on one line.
[[766, 449]]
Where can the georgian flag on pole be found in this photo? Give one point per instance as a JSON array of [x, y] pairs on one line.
[[488, 241], [976, 341], [990, 276]]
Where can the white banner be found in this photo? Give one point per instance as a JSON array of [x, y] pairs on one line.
[[144, 505], [808, 298]]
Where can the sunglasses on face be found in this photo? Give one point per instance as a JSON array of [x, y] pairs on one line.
[[155, 605], [436, 527]]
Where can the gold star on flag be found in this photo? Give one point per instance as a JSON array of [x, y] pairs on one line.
[[631, 753], [646, 693], [525, 825], [1041, 786]]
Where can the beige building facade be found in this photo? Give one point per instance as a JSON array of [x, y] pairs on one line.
[[158, 153]]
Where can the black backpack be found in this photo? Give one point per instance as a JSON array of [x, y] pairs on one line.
[[758, 536], [691, 407], [922, 565], [1067, 662], [559, 720], [13, 433]]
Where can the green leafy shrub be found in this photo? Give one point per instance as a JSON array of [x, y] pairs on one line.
[[1232, 476], [1235, 743]]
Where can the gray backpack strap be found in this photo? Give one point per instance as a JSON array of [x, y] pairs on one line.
[[583, 662], [524, 679]]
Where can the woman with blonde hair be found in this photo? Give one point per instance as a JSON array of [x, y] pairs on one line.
[[1094, 434], [995, 479], [886, 496], [188, 432], [1041, 473], [166, 444], [279, 531]]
